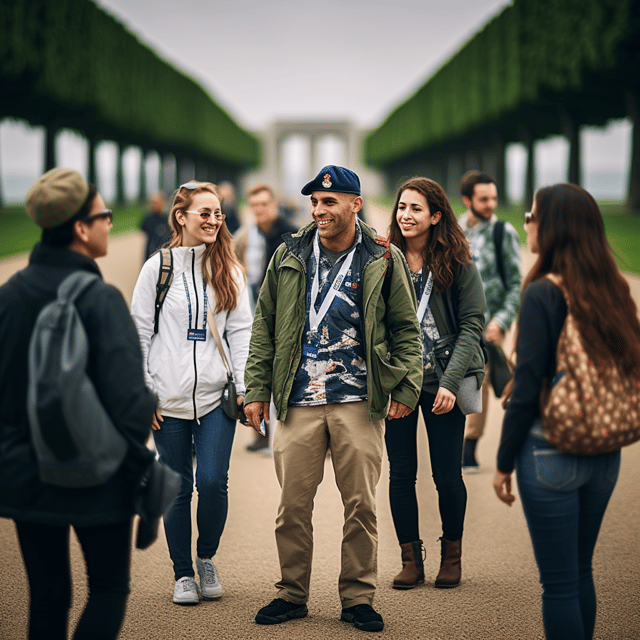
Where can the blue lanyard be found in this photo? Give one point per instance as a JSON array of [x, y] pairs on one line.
[[204, 288]]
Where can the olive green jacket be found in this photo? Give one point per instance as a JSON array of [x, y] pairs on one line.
[[392, 334]]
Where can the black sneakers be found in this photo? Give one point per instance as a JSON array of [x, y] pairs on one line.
[[364, 617], [280, 610]]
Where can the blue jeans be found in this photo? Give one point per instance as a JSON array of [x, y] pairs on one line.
[[213, 439], [564, 498], [446, 434]]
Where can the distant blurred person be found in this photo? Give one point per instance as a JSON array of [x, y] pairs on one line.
[[229, 205], [257, 240], [75, 226], [155, 225], [564, 496], [495, 248], [255, 243]]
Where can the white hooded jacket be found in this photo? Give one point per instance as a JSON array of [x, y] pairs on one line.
[[188, 376]]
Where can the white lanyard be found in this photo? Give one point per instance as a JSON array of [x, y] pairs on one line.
[[315, 318], [426, 295]]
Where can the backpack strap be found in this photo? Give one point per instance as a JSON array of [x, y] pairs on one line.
[[75, 284], [165, 278], [498, 235], [386, 285]]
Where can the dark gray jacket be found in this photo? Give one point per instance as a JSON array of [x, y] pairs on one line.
[[459, 315]]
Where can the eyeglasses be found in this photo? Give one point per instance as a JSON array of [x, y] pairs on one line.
[[528, 217], [106, 213], [205, 215], [192, 184]]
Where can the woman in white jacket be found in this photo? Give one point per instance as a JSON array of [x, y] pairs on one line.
[[183, 367]]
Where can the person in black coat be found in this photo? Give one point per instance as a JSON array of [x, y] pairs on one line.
[[76, 226], [155, 225]]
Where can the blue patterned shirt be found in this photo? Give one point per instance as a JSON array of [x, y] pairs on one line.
[[428, 331], [333, 367]]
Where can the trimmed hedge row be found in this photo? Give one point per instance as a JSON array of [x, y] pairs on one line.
[[532, 66], [69, 63]]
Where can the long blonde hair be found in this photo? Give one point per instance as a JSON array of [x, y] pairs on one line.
[[220, 267]]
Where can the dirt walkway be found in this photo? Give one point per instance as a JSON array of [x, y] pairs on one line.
[[499, 598]]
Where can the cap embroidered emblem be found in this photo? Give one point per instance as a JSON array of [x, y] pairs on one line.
[[326, 183]]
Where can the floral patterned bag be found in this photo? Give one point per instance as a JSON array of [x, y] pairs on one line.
[[588, 409]]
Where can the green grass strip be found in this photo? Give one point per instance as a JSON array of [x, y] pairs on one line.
[[18, 232]]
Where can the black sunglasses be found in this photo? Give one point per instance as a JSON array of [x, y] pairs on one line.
[[528, 217], [106, 213]]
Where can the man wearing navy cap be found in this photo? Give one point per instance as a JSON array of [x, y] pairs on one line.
[[336, 340]]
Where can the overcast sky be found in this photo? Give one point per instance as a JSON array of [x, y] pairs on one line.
[[292, 58]]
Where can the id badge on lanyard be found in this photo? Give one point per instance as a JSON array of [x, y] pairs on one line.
[[316, 317], [425, 297], [196, 335]]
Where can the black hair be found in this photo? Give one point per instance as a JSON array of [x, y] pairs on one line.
[[62, 235]]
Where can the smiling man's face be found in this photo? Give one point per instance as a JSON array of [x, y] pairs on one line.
[[335, 215]]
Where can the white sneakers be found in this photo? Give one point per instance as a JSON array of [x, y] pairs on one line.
[[210, 586], [185, 591]]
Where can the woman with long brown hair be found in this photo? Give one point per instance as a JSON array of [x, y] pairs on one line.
[[185, 370], [564, 496], [451, 308]]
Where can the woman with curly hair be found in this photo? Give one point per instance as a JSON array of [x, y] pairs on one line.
[[185, 370], [451, 308], [564, 496]]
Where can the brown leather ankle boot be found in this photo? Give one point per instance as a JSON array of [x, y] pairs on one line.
[[450, 566], [412, 572]]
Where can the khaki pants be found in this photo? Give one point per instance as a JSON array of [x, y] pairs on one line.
[[299, 452]]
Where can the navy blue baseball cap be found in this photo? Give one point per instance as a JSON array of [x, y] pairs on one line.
[[333, 178]]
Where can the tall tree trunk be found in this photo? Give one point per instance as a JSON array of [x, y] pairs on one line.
[[1, 194], [161, 185], [572, 132], [92, 169], [529, 177], [50, 135], [633, 193], [499, 150], [120, 195], [142, 177]]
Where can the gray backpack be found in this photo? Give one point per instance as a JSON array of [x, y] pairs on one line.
[[75, 441]]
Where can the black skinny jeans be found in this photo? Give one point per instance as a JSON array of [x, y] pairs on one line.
[[107, 553], [446, 434]]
